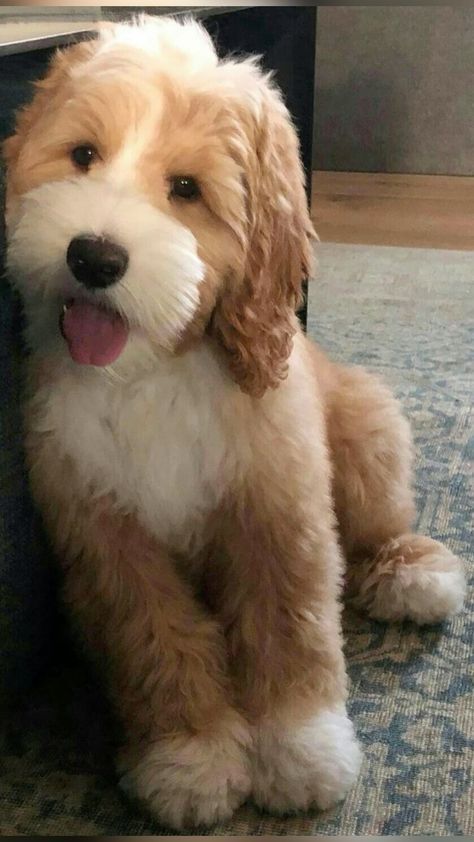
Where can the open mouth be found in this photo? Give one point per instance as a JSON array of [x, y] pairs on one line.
[[95, 335]]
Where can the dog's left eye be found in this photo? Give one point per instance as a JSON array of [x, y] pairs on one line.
[[83, 156], [184, 187]]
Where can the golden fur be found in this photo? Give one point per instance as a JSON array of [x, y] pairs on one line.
[[224, 650]]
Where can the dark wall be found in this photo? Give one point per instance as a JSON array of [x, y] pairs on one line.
[[17, 73], [395, 89]]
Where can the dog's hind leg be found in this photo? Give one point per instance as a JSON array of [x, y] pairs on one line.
[[392, 573]]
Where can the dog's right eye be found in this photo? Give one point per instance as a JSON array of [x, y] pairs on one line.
[[83, 156]]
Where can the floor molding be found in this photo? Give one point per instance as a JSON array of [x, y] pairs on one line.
[[424, 211]]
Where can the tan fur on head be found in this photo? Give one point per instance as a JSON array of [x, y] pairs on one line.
[[44, 102]]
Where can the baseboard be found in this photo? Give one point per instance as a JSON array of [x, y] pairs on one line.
[[421, 211]]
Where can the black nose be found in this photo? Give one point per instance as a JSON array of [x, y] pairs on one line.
[[95, 261]]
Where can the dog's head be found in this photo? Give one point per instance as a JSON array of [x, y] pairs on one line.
[[154, 196]]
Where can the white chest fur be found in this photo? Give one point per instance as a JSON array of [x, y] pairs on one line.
[[164, 446]]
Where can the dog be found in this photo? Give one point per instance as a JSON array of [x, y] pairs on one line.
[[210, 480]]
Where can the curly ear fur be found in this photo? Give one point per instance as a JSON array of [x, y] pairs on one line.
[[256, 322], [46, 91]]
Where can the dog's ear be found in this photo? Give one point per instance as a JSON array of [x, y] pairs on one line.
[[255, 320], [27, 117], [25, 122]]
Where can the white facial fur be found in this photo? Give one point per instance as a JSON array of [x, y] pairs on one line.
[[159, 292]]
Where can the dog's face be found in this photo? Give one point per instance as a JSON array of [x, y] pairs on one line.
[[155, 195]]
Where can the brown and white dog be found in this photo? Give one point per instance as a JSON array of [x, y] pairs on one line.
[[201, 466]]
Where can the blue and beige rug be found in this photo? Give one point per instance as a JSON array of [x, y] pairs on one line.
[[407, 314]]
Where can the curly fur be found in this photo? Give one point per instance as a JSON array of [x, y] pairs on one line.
[[255, 322], [202, 490]]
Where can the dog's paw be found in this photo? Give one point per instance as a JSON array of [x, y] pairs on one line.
[[312, 765], [188, 782], [415, 578]]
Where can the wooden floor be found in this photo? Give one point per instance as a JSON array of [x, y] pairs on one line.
[[401, 210]]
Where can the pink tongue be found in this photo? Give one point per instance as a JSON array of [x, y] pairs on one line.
[[94, 336]]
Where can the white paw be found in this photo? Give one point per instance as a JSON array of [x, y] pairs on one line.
[[187, 782], [312, 765], [427, 591]]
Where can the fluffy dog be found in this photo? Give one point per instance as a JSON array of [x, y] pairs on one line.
[[201, 466]]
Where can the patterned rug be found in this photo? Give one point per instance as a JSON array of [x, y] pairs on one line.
[[403, 313]]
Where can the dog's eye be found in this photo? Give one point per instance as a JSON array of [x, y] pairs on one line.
[[184, 187], [83, 156]]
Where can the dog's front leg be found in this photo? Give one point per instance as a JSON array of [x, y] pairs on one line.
[[186, 754], [280, 608]]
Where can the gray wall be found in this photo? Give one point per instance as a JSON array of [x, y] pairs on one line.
[[395, 89]]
